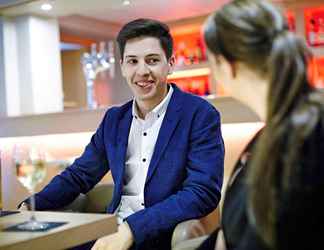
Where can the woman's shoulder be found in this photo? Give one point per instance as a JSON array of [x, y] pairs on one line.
[[316, 109], [309, 112], [307, 122], [318, 99], [301, 206]]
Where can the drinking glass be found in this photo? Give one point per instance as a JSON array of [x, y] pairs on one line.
[[30, 166]]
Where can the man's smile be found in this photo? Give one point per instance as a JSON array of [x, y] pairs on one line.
[[144, 83]]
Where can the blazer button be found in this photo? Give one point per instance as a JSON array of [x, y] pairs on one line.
[[144, 160]]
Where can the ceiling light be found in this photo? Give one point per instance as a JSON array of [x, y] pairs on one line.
[[126, 2], [46, 6]]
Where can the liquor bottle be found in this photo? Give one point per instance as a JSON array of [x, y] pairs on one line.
[[198, 51], [180, 53]]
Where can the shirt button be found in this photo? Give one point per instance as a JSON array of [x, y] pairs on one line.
[[144, 160], [145, 134]]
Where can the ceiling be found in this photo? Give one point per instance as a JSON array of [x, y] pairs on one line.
[[114, 11], [79, 17], [11, 3], [164, 10]]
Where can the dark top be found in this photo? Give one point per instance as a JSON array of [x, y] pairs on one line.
[[301, 210]]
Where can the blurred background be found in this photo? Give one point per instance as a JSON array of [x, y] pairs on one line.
[[59, 72]]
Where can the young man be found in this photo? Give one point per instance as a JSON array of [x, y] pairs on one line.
[[164, 149]]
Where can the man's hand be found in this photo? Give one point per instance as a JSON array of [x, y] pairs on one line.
[[122, 240], [24, 207]]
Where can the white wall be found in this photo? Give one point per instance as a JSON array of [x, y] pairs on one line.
[[3, 102], [46, 67], [30, 66], [11, 69]]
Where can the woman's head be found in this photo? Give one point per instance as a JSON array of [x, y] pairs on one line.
[[251, 36], [244, 31]]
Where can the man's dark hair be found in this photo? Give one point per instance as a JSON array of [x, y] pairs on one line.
[[146, 28]]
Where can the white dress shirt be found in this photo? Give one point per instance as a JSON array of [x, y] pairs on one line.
[[141, 142]]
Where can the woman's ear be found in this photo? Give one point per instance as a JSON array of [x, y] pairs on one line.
[[234, 69], [213, 59], [228, 68]]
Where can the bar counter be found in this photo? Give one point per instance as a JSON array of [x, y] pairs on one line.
[[64, 136]]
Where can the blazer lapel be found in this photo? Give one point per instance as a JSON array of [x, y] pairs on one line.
[[168, 126], [122, 142]]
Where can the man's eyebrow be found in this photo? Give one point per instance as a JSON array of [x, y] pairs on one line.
[[153, 54], [149, 55], [130, 56]]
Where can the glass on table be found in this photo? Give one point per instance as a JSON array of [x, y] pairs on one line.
[[30, 169]]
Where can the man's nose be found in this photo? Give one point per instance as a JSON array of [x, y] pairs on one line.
[[143, 69]]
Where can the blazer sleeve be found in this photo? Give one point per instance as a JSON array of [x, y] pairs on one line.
[[201, 189], [80, 177]]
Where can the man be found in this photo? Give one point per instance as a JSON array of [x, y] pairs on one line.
[[164, 149]]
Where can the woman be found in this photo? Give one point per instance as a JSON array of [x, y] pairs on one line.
[[273, 199]]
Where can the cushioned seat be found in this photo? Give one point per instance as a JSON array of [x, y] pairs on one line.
[[95, 201], [188, 235]]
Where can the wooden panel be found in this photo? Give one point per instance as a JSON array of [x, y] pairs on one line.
[[70, 38], [74, 83], [82, 26]]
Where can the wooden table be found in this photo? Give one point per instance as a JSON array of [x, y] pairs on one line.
[[80, 228]]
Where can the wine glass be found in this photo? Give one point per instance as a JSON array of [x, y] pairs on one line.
[[30, 167]]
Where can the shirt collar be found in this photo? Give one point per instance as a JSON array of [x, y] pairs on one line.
[[160, 109]]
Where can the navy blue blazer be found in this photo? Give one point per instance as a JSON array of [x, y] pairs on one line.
[[184, 178]]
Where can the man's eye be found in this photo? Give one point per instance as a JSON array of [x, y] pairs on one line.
[[153, 60], [132, 61]]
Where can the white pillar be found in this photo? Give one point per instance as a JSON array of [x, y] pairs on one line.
[[30, 66], [9, 79], [3, 100]]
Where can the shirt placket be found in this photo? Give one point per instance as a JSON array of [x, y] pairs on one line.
[[145, 151], [145, 143]]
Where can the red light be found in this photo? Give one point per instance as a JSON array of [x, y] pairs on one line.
[[314, 25]]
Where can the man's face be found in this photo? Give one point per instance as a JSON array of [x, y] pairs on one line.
[[146, 68]]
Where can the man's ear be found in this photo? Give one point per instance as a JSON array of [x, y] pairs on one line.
[[121, 67], [172, 62]]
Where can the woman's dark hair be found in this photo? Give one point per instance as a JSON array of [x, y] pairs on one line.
[[254, 32], [146, 28]]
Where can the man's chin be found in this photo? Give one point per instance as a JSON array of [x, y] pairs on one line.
[[144, 96]]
